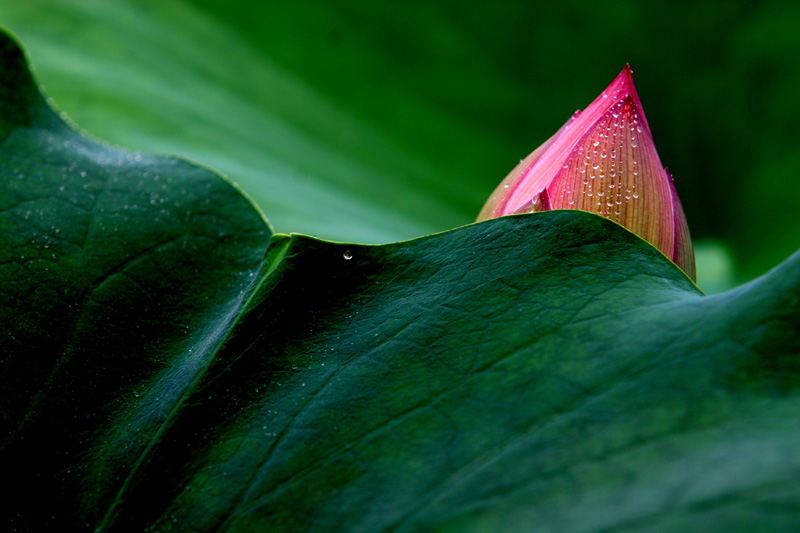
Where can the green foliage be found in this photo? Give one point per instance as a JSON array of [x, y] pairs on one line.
[[168, 363]]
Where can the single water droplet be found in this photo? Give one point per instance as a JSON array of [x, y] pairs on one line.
[[347, 255], [636, 195], [596, 143]]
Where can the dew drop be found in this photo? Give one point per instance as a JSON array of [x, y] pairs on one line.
[[347, 255]]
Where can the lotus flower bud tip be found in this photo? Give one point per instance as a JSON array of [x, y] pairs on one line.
[[603, 160]]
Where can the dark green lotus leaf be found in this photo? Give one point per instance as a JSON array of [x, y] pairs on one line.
[[548, 372], [544, 372], [118, 270]]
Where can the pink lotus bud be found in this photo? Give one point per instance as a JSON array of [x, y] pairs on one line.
[[603, 160]]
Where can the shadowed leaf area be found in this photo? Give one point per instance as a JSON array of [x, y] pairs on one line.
[[164, 365]]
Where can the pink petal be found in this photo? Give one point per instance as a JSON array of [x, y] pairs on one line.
[[561, 150], [682, 252], [497, 205]]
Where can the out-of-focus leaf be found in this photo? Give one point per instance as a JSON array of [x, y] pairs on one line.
[[161, 76]]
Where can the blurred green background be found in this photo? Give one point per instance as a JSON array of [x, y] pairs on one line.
[[374, 122]]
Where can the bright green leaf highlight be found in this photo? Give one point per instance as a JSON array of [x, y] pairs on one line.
[[169, 78]]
